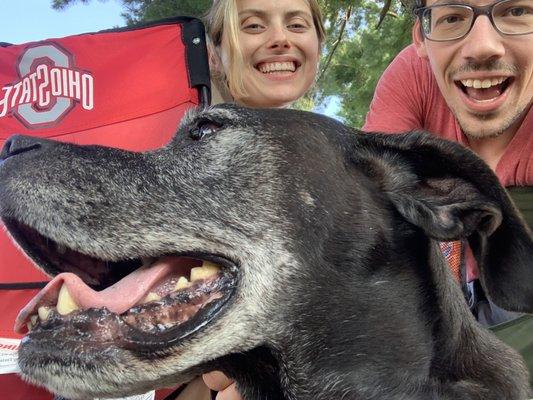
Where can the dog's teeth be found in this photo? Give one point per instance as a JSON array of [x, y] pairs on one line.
[[32, 322], [182, 283], [65, 302], [207, 270], [151, 297], [44, 312]]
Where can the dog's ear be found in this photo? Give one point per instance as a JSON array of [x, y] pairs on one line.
[[451, 194]]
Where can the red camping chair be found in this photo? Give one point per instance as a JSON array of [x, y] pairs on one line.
[[126, 88]]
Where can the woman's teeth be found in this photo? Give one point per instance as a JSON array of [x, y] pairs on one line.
[[289, 66], [482, 83]]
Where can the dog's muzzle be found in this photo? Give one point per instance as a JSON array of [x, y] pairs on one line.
[[143, 301]]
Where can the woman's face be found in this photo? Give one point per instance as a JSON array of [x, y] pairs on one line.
[[280, 50]]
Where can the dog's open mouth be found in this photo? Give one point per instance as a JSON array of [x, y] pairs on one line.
[[146, 300]]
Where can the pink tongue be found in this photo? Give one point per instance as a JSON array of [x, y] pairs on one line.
[[484, 94], [117, 298]]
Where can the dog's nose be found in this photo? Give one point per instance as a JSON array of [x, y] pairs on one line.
[[18, 144]]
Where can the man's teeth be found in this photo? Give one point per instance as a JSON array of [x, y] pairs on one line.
[[277, 66], [482, 83]]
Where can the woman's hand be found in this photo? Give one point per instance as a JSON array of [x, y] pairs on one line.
[[219, 382]]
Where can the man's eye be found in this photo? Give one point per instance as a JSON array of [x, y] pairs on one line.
[[516, 12], [450, 19], [204, 128]]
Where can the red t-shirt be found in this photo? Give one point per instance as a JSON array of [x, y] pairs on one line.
[[407, 98]]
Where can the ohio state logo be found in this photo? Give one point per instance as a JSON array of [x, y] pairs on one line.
[[49, 87]]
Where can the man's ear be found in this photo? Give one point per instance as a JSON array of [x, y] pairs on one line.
[[419, 40], [449, 193]]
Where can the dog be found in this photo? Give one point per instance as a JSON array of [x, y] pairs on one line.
[[299, 256]]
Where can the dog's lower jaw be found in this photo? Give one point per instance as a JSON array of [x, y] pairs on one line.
[[97, 377]]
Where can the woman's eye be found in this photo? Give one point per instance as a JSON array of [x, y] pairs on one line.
[[297, 26], [204, 128]]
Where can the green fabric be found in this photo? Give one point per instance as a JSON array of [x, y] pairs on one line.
[[518, 334], [523, 198]]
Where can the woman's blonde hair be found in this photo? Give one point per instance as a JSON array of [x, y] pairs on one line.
[[222, 20]]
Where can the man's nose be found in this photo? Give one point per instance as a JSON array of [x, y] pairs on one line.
[[483, 42]]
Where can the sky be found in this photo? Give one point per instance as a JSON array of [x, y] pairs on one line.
[[30, 20]]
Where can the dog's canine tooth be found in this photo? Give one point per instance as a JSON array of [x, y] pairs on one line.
[[44, 312], [207, 270], [182, 283], [65, 302], [151, 297]]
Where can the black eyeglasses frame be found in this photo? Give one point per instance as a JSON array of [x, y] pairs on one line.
[[484, 10]]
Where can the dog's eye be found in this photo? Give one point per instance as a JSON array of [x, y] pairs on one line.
[[204, 128]]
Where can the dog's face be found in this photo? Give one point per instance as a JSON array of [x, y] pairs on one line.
[[225, 190], [254, 209]]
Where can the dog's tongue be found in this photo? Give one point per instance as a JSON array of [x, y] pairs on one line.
[[117, 298], [484, 94]]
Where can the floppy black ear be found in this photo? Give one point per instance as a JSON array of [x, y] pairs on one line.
[[450, 193]]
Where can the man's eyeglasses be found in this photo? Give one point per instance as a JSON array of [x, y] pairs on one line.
[[443, 22]]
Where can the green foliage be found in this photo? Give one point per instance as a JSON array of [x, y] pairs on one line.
[[362, 54], [363, 37], [146, 10]]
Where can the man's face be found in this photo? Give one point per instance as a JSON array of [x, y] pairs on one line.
[[501, 64]]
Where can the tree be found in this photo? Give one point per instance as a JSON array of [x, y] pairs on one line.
[[363, 37]]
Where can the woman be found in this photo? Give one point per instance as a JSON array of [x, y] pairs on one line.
[[262, 54]]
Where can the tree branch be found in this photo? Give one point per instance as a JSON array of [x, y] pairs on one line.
[[336, 43]]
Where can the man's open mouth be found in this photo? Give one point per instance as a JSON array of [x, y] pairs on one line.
[[155, 299], [484, 89]]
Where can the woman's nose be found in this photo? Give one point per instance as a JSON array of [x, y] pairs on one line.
[[278, 37]]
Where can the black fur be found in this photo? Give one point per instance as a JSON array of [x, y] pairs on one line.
[[342, 291]]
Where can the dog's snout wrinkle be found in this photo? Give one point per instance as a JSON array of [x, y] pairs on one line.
[[19, 144]]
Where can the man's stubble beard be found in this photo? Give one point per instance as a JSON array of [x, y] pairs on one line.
[[492, 132]]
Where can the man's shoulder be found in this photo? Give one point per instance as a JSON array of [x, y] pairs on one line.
[[408, 61]]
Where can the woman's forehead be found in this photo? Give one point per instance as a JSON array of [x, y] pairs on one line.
[[273, 6]]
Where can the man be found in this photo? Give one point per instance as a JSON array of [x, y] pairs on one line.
[[468, 77]]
